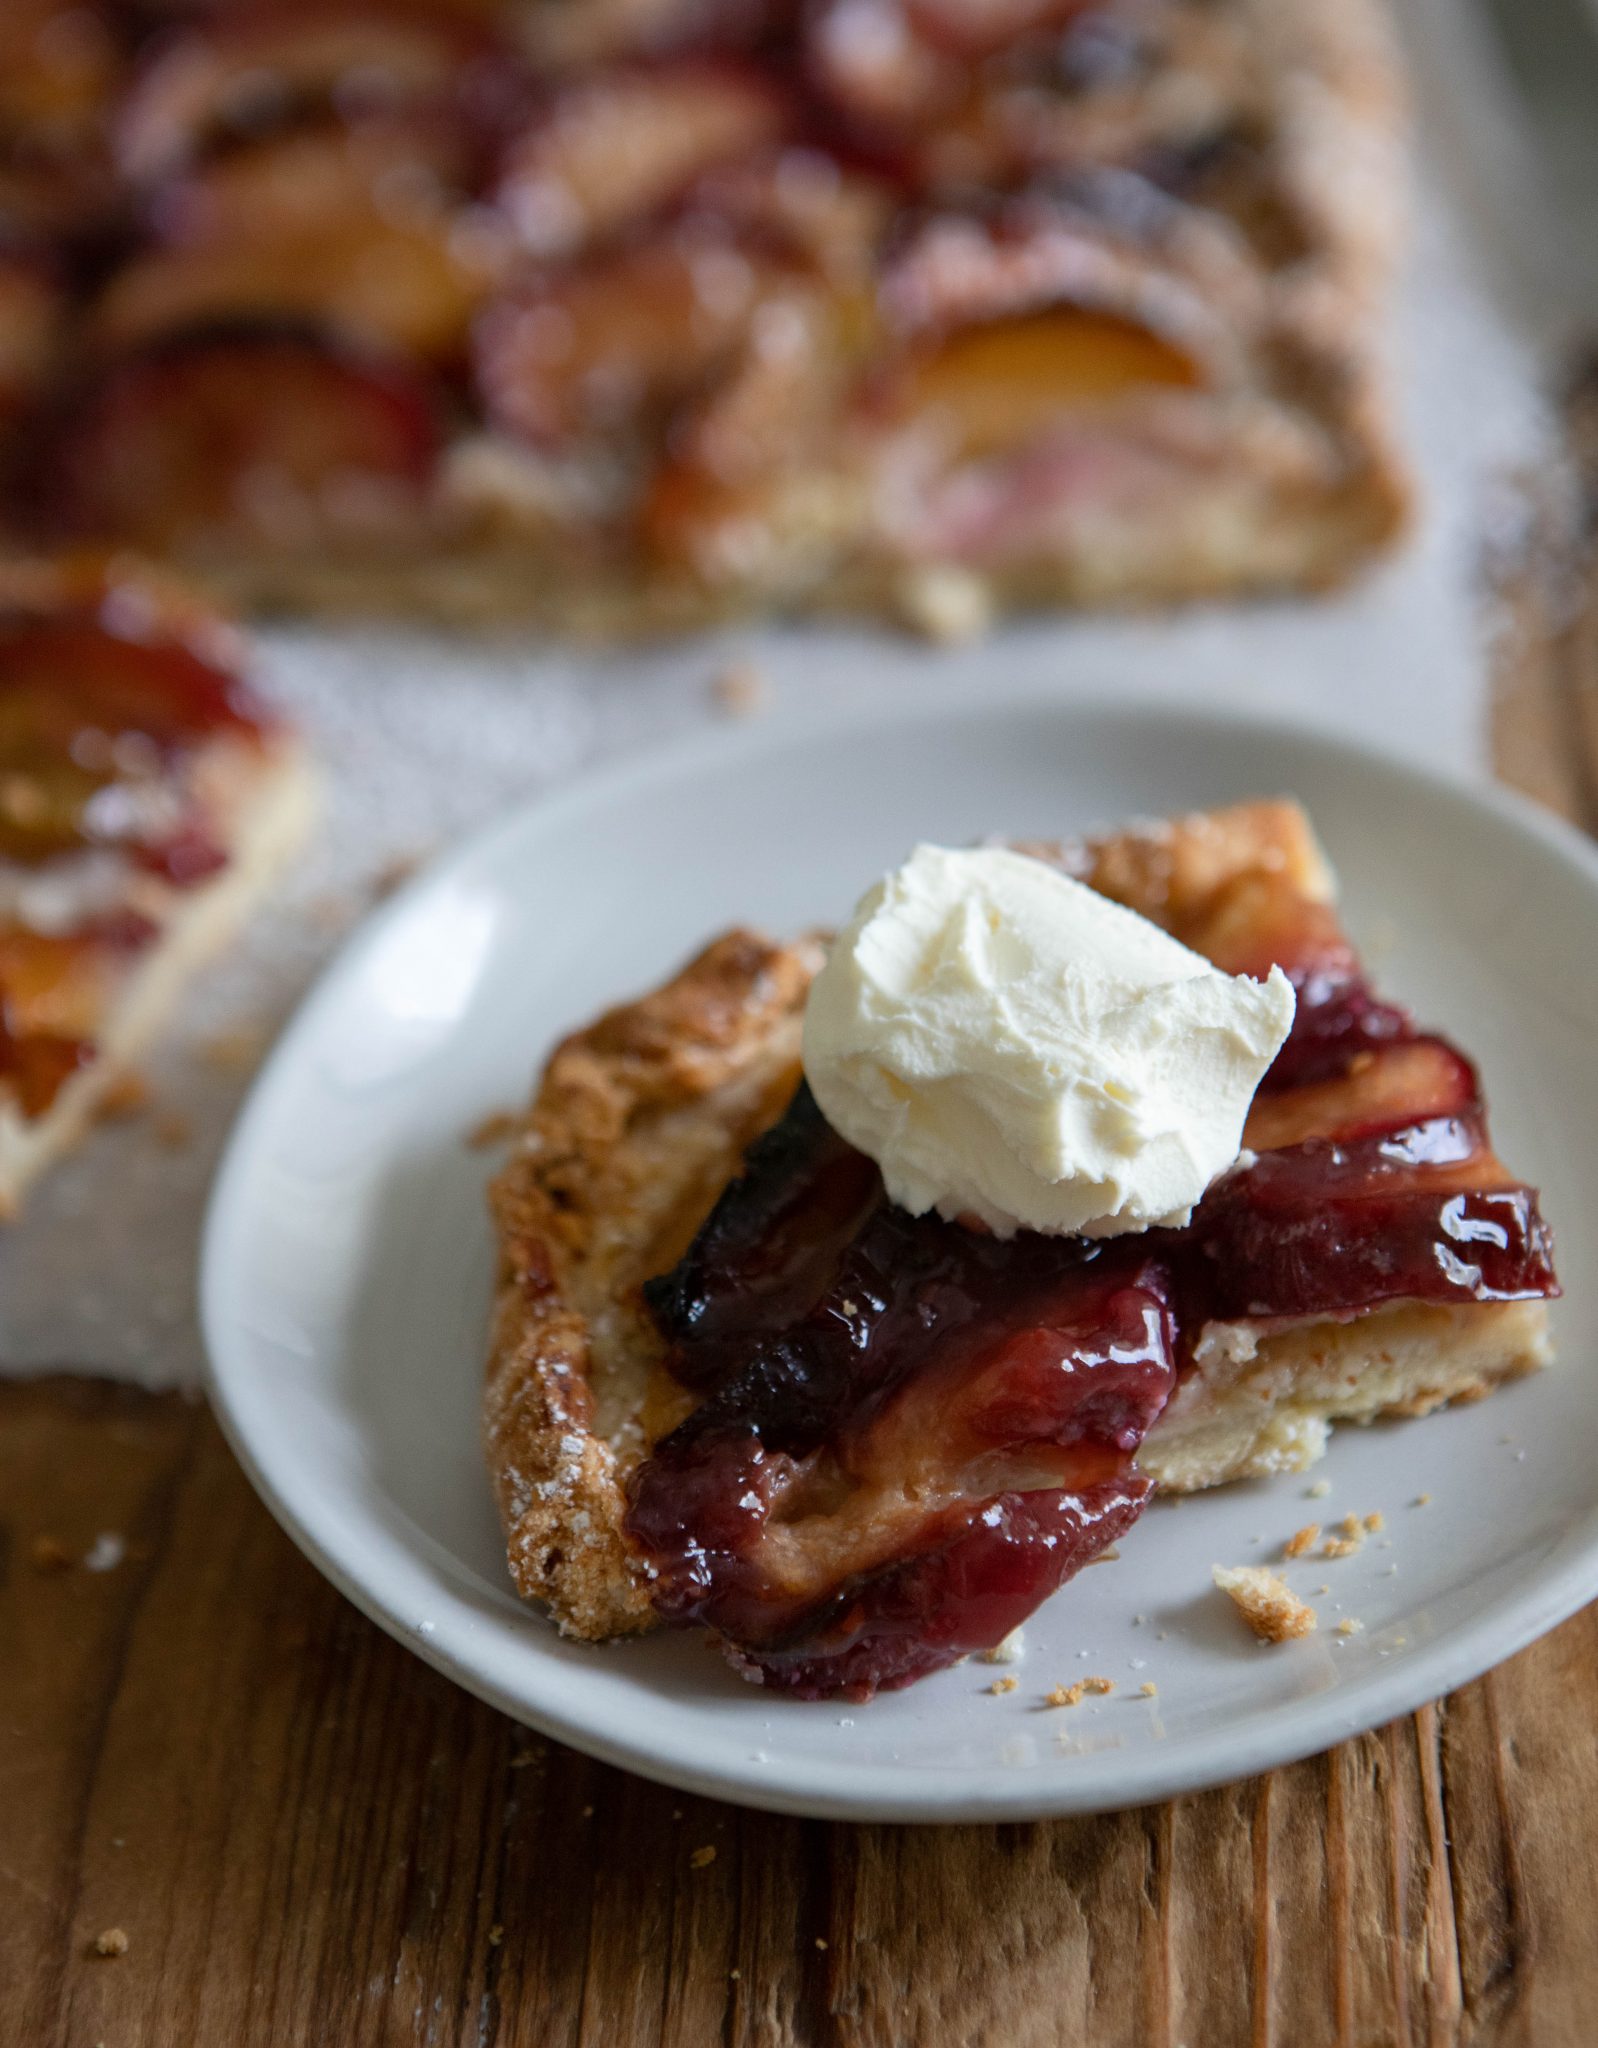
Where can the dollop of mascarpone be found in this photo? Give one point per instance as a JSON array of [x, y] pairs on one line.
[[1009, 1045]]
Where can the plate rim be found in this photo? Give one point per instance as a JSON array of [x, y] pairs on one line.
[[855, 1790]]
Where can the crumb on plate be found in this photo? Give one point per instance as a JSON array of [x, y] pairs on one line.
[[1073, 1695], [494, 1129], [740, 689], [1266, 1602]]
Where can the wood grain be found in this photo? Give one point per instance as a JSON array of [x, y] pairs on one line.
[[308, 1837]]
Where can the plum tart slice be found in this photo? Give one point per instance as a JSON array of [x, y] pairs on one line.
[[146, 797], [733, 1384]]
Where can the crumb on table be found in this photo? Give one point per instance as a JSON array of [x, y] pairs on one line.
[[235, 1052], [112, 1941], [395, 872], [948, 605], [172, 1130], [48, 1554], [740, 689], [1266, 1602], [700, 1858], [127, 1096]]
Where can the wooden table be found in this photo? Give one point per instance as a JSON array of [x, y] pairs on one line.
[[308, 1837], [305, 1836]]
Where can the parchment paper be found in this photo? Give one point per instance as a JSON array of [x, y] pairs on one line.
[[423, 736]]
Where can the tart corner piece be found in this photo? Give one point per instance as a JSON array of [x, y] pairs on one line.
[[638, 1123], [147, 801]]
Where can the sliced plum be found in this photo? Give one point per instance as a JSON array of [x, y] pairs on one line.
[[911, 1432], [90, 724], [608, 152], [891, 1414], [267, 68], [275, 440]]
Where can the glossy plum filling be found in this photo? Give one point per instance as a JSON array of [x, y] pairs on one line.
[[47, 982], [97, 732], [911, 1432]]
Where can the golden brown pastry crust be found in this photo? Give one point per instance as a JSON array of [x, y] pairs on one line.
[[638, 1123]]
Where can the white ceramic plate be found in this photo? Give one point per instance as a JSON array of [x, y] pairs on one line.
[[348, 1260]]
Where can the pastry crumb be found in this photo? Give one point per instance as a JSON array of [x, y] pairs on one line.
[[821, 1941], [1342, 1546], [1423, 1500], [494, 1129], [172, 1130], [127, 1096], [1004, 1685], [1349, 1626], [740, 689], [1301, 1540], [1319, 1491], [234, 1052], [950, 606], [1148, 1689], [1374, 1521], [496, 1934], [1266, 1602], [699, 1859], [395, 872], [111, 1941], [1009, 1650], [1074, 1695], [46, 1554], [735, 1975]]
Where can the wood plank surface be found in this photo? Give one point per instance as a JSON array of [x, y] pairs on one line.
[[309, 1838]]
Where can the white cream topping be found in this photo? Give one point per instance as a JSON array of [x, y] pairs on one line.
[[1009, 1045]]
